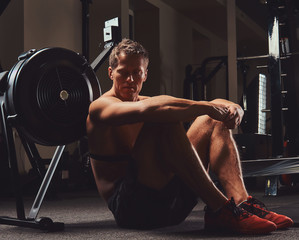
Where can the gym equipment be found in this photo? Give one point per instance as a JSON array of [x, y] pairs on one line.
[[191, 88], [49, 92], [45, 97]]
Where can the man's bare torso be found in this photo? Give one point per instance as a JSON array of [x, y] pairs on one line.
[[113, 140], [108, 140]]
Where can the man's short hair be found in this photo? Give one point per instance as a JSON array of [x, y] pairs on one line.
[[128, 47]]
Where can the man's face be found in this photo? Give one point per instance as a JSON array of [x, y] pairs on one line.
[[128, 76]]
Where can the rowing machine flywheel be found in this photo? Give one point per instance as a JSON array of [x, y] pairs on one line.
[[48, 95]]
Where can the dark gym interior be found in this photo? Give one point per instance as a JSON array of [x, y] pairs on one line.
[[246, 51]]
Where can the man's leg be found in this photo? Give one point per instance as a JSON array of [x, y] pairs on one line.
[[162, 150], [216, 147]]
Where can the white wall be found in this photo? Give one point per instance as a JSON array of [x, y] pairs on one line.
[[177, 49], [52, 23], [27, 24], [11, 34]]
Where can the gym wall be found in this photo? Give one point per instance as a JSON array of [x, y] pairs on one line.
[[11, 34]]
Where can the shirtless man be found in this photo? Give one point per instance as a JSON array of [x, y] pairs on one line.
[[151, 172]]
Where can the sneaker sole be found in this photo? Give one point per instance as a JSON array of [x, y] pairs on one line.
[[284, 225], [248, 232]]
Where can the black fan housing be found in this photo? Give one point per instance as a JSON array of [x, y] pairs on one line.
[[48, 95]]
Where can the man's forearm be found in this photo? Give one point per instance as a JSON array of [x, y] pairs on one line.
[[155, 109], [170, 109]]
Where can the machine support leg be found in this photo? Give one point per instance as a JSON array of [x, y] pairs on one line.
[[42, 223], [46, 181], [12, 161]]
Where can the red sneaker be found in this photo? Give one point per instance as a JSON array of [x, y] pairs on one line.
[[231, 218], [256, 207]]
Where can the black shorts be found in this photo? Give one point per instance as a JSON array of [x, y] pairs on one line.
[[140, 207]]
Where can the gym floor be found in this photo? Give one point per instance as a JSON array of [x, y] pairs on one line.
[[86, 216]]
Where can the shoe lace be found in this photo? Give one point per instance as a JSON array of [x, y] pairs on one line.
[[237, 211], [257, 207]]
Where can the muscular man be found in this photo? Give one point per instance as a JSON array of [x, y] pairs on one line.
[[151, 172]]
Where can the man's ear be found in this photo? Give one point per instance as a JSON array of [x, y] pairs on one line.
[[110, 73], [145, 73]]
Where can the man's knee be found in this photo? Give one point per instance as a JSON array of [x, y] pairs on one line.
[[221, 130], [205, 131], [202, 129], [211, 126]]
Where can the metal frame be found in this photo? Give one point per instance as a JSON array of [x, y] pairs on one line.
[[274, 69], [200, 74], [31, 221]]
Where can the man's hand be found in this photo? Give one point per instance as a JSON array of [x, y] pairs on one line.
[[234, 117], [229, 113]]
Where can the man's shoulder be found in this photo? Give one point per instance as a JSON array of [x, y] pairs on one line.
[[143, 97], [107, 97], [102, 102], [108, 94]]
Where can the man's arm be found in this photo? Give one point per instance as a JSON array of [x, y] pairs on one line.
[[111, 110]]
